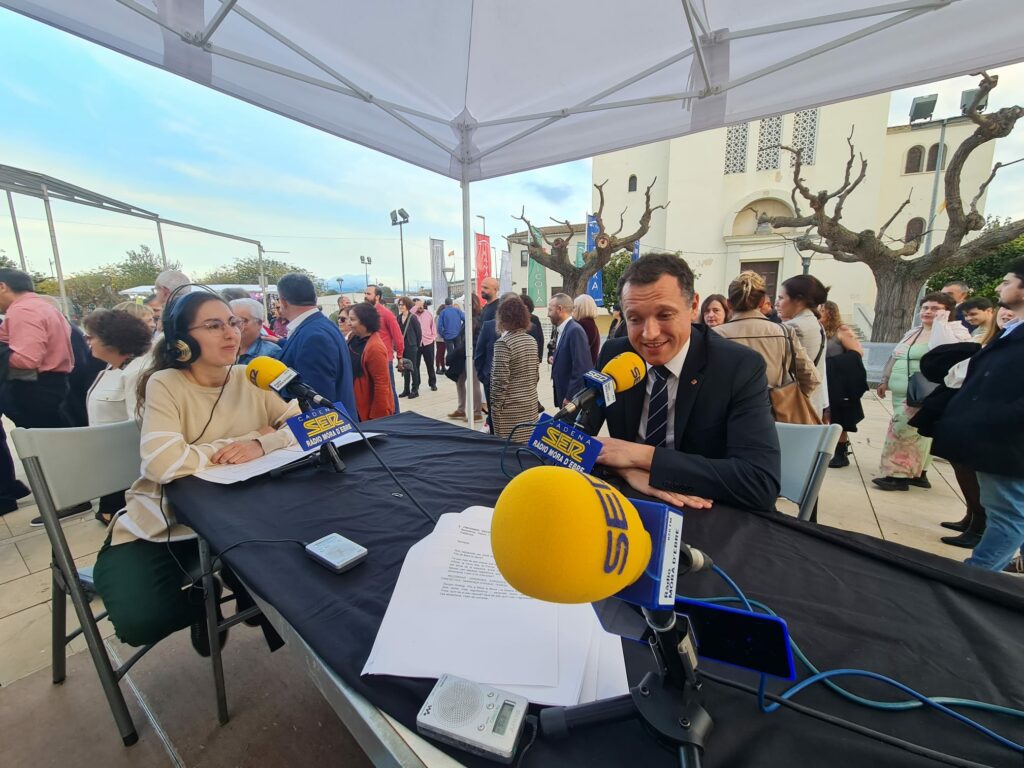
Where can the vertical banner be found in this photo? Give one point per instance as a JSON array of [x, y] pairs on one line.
[[438, 283], [581, 248], [595, 285], [537, 284], [505, 273], [483, 259], [636, 250]]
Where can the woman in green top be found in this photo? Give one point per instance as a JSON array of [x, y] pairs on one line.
[[906, 453]]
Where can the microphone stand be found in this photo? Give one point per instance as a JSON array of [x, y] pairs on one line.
[[666, 700], [327, 456]]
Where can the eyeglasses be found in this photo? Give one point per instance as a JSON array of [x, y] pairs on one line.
[[217, 326]]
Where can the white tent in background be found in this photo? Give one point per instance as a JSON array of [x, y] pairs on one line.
[[474, 90]]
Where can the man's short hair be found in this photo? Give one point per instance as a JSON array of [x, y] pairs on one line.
[[1016, 267], [376, 290], [938, 297], [150, 299], [980, 303], [964, 287], [296, 288], [230, 294], [341, 299], [16, 280], [650, 268], [528, 301], [448, 301], [256, 308], [563, 301], [171, 279]]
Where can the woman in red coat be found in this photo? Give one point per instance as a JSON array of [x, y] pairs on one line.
[[370, 378]]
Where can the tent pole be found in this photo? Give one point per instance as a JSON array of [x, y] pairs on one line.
[[467, 259], [263, 281], [56, 253], [160, 236], [17, 234]]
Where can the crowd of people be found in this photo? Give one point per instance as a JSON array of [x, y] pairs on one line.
[[699, 430]]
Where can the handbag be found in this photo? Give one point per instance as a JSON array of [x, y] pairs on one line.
[[789, 404]]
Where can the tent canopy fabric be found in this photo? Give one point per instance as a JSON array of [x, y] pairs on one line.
[[474, 90]]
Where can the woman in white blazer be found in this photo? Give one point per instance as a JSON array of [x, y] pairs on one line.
[[121, 340], [797, 305]]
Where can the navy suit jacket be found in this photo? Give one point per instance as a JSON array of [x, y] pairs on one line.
[[981, 427], [483, 352], [317, 350], [725, 444], [572, 360]]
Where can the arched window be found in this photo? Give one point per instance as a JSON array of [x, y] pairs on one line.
[[933, 156], [632, 183], [915, 228], [915, 160]]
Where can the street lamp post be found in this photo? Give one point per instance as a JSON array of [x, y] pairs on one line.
[[399, 218], [483, 225], [366, 261]]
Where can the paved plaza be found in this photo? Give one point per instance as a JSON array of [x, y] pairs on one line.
[[278, 716]]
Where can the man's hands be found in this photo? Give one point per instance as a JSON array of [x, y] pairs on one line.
[[632, 462], [640, 480], [239, 453], [622, 454]]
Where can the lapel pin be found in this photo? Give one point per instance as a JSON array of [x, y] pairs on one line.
[[693, 381]]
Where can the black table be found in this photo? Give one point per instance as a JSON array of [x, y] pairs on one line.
[[850, 601]]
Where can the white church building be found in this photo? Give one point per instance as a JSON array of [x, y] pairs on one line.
[[715, 180]]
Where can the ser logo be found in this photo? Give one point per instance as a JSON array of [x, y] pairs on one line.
[[320, 424], [617, 539], [635, 372], [564, 444]]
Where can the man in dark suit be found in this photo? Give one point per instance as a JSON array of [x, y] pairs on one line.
[[981, 428], [568, 350], [315, 347], [700, 428], [483, 348]]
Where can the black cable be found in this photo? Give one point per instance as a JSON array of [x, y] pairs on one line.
[[508, 444], [219, 555], [862, 730], [534, 723]]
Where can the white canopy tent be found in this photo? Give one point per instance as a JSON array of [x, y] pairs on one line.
[[474, 89]]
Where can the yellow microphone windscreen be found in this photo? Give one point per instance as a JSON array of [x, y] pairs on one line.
[[263, 370], [627, 370], [565, 537]]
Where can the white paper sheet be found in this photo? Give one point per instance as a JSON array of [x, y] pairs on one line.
[[226, 474], [452, 611]]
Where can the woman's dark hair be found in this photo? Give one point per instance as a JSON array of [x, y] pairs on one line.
[[707, 303], [650, 267], [406, 302], [367, 315], [528, 301], [940, 298], [116, 328], [174, 326], [512, 315], [807, 290]]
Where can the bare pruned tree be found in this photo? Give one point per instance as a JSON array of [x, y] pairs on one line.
[[574, 279], [898, 271]]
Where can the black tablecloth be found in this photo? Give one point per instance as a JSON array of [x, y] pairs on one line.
[[850, 601]]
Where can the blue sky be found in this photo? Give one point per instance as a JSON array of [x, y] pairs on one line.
[[105, 122]]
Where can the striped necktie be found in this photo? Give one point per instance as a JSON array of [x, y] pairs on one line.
[[657, 409]]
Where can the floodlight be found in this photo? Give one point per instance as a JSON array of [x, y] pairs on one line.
[[404, 215], [394, 217], [922, 107], [967, 98]]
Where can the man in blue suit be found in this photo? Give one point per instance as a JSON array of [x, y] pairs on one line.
[[568, 350], [315, 347]]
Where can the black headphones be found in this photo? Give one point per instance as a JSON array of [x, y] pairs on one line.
[[181, 347]]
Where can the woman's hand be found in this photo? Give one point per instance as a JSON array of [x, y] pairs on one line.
[[238, 453], [882, 389]]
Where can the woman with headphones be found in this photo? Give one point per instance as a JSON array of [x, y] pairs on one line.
[[197, 410]]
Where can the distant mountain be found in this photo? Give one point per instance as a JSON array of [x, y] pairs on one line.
[[344, 283]]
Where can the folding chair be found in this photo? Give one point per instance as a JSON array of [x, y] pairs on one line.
[[69, 466], [806, 451]]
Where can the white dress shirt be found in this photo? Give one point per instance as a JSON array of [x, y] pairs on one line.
[[675, 367], [293, 324]]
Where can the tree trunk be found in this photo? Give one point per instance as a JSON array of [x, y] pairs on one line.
[[574, 284], [894, 303]]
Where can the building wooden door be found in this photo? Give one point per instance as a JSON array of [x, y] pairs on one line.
[[769, 270]]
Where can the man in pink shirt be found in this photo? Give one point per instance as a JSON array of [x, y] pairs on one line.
[[429, 337], [390, 333], [38, 339]]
